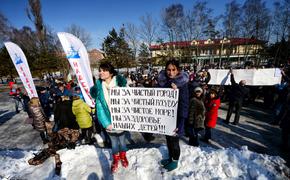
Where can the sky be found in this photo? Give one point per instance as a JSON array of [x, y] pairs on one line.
[[97, 17]]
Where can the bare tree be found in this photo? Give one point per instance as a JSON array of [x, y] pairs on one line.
[[172, 18], [4, 28], [281, 20], [256, 19], [232, 20], [81, 33], [201, 15], [131, 35], [34, 14], [148, 29]]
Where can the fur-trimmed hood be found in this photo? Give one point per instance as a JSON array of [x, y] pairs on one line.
[[181, 79]]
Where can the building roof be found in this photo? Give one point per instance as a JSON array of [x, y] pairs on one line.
[[208, 42], [96, 55]]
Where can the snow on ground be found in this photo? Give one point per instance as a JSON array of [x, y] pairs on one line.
[[227, 157], [89, 162]]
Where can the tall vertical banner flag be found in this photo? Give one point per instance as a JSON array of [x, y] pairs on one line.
[[21, 65], [78, 58]]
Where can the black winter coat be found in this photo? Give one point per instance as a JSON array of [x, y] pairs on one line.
[[181, 81], [237, 92], [64, 117]]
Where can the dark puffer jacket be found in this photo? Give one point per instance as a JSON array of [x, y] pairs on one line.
[[38, 117], [181, 81], [238, 92], [196, 113], [64, 117]]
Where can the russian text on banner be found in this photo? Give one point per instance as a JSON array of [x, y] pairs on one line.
[[21, 65], [152, 110], [78, 58]]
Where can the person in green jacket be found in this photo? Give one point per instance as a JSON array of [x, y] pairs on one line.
[[101, 93], [82, 111]]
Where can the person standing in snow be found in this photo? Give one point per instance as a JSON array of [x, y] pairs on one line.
[[236, 98], [82, 111], [212, 104], [196, 116], [174, 77], [38, 117], [101, 93]]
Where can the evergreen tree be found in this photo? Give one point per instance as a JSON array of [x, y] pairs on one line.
[[144, 54], [117, 49]]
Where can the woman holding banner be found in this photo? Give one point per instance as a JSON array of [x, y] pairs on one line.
[[174, 77], [101, 92]]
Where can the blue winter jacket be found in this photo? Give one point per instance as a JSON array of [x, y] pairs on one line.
[[103, 111]]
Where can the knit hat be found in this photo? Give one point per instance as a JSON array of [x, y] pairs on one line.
[[198, 89]]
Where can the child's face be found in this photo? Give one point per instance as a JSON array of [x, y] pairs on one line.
[[212, 95], [198, 93], [171, 71]]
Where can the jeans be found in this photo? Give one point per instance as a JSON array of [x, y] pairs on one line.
[[118, 142], [17, 101]]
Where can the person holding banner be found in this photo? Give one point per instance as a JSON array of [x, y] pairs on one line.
[[174, 77], [101, 93], [236, 97]]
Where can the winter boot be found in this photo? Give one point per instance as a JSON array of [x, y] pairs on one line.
[[115, 163], [193, 141], [172, 165], [123, 158], [44, 137], [164, 162], [58, 168]]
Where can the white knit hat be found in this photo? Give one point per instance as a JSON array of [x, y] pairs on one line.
[[198, 89]]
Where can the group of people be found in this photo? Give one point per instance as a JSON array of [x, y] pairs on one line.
[[198, 106]]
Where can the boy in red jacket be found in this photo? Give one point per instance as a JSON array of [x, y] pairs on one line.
[[212, 104]]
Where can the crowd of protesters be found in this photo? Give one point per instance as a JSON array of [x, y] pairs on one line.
[[62, 108]]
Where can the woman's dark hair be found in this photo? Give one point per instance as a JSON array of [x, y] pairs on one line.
[[173, 62], [106, 66]]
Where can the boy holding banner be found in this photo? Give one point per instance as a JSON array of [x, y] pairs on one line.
[[101, 93], [174, 77]]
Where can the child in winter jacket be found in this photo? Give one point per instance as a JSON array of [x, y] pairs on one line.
[[82, 111], [38, 117], [101, 92], [196, 116], [212, 104]]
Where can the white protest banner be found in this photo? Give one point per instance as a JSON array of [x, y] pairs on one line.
[[151, 110], [21, 65], [253, 77], [78, 58]]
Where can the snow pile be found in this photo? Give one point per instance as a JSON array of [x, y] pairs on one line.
[[89, 162]]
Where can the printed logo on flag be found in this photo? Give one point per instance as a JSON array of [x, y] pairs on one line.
[[18, 60], [72, 53]]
